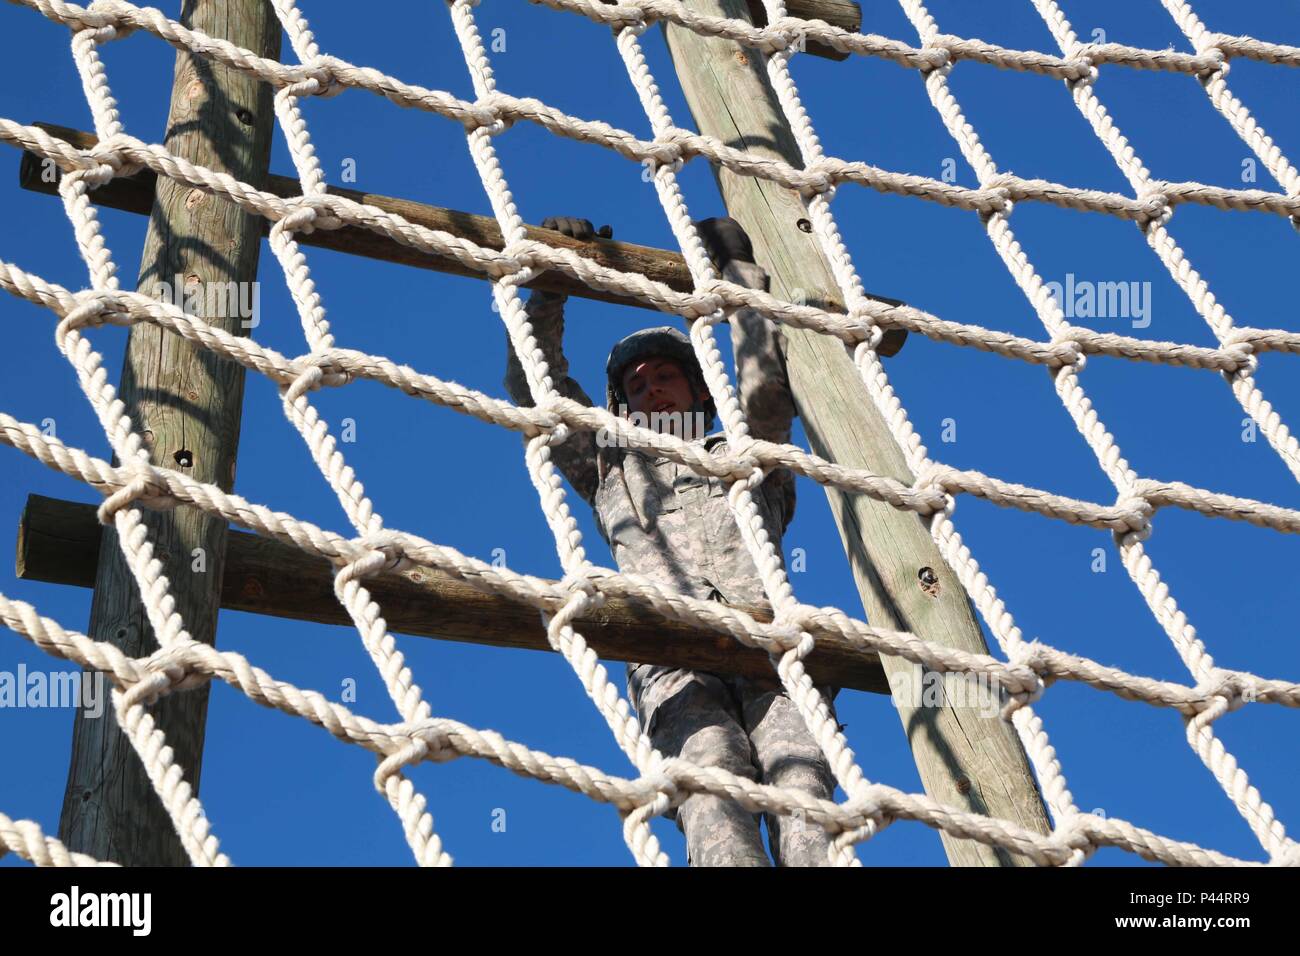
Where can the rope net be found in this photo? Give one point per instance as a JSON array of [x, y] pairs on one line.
[[1023, 670]]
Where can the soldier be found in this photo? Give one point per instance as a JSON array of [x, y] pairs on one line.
[[666, 522]]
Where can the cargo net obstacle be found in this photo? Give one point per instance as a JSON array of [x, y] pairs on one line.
[[1023, 669]]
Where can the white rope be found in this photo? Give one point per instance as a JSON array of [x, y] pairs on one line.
[[1026, 669], [1234, 111], [1257, 813]]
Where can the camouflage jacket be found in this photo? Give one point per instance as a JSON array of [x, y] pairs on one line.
[[661, 519]]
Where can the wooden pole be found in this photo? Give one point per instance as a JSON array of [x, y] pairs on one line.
[[186, 403], [58, 542], [965, 759]]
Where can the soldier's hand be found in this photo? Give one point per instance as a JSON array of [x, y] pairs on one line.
[[574, 228], [725, 240]]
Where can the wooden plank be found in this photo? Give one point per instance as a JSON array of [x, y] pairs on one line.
[[58, 541], [966, 759], [135, 194], [844, 14], [186, 403]]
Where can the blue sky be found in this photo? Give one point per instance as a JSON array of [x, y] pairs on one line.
[[281, 791]]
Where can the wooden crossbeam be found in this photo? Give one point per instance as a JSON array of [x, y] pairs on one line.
[[58, 542], [135, 194]]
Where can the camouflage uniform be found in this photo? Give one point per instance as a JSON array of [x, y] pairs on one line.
[[666, 522]]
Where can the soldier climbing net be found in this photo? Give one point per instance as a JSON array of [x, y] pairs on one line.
[[1024, 670]]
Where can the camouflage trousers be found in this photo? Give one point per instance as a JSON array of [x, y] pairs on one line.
[[751, 728]]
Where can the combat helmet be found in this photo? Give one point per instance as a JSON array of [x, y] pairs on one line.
[[663, 341]]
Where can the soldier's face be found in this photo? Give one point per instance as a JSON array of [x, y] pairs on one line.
[[658, 385]]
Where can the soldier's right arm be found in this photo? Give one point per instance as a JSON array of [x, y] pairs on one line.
[[576, 456]]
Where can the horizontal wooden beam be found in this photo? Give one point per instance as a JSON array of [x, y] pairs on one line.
[[58, 542], [844, 14], [135, 194]]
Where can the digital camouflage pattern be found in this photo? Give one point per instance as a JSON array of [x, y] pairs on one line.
[[664, 521]]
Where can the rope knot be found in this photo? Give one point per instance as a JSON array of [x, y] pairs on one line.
[[175, 660], [322, 208], [1020, 679], [658, 779], [818, 177], [930, 477], [301, 216], [581, 581], [1081, 54], [1069, 351], [143, 487], [1235, 689], [1155, 199], [672, 147], [1239, 346], [520, 262], [1072, 336], [320, 369], [308, 380], [1002, 197], [383, 552], [92, 176], [1130, 500], [869, 332], [147, 690], [112, 152], [785, 33], [1075, 832], [937, 53], [795, 629], [391, 766], [1030, 658], [320, 71], [559, 435], [636, 20], [490, 108], [1137, 510], [867, 803], [746, 460], [709, 302], [1211, 46], [109, 31], [94, 308]]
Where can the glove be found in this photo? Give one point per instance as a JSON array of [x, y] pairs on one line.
[[725, 241], [574, 228]]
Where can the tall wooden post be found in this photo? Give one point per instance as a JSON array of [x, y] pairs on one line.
[[965, 758], [186, 403]]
